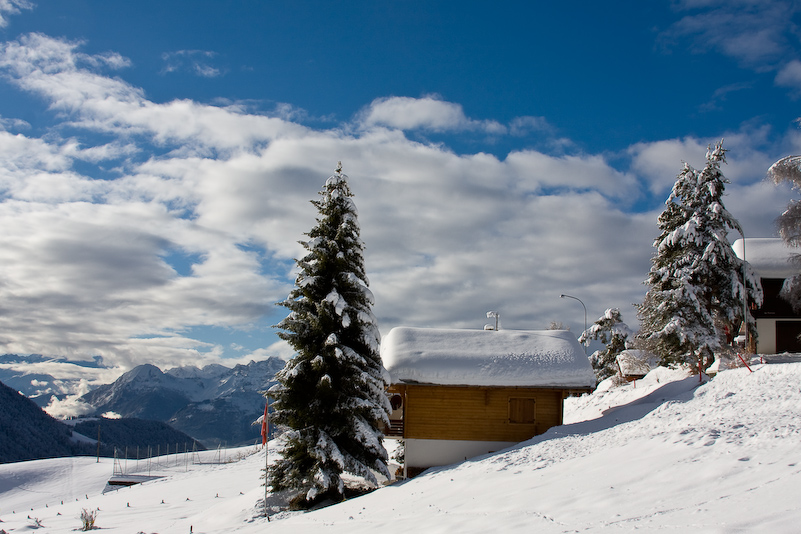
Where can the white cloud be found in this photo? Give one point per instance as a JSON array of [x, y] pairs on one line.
[[757, 33], [12, 7], [539, 171], [660, 162], [427, 113], [56, 71], [752, 200], [790, 76], [197, 62], [71, 405], [14, 124], [521, 126]]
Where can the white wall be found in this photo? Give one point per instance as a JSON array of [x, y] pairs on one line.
[[766, 330], [431, 452]]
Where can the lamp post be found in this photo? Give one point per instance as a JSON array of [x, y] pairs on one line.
[[745, 297], [563, 296]]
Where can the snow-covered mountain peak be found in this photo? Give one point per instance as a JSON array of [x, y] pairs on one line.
[[146, 374], [213, 404], [210, 371]]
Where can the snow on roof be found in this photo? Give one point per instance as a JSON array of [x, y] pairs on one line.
[[542, 358], [634, 362], [768, 256]]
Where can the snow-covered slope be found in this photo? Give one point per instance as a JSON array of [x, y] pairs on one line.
[[665, 456]]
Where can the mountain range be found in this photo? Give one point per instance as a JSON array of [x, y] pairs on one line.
[[215, 404]]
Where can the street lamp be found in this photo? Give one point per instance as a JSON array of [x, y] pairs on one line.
[[745, 297], [563, 296]]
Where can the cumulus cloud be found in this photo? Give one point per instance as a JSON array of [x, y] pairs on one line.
[[90, 266], [71, 405], [660, 162], [540, 172], [427, 113]]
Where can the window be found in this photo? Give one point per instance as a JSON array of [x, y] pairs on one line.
[[521, 411]]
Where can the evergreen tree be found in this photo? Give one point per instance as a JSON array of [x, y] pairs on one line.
[[788, 169], [613, 332], [330, 395], [695, 278]]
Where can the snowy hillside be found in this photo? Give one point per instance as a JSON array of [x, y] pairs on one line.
[[668, 455]]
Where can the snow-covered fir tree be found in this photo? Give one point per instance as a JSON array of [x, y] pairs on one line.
[[613, 332], [330, 395], [788, 169], [696, 280]]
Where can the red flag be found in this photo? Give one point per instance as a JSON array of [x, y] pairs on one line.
[[264, 426]]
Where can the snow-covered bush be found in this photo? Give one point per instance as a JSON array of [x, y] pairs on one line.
[[88, 518], [399, 454], [610, 330]]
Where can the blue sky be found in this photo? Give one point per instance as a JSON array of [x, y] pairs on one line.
[[604, 78], [157, 158]]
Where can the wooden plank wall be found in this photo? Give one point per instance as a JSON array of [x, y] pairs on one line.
[[476, 413]]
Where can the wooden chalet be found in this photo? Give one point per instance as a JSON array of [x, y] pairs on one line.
[[778, 326], [461, 393]]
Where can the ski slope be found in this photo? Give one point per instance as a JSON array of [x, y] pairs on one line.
[[669, 455]]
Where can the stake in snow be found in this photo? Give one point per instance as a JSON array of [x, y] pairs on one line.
[[331, 393]]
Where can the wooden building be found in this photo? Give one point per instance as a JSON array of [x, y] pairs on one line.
[[634, 364], [778, 326], [461, 393]]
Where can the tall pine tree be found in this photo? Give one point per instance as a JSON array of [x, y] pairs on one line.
[[696, 280], [330, 395]]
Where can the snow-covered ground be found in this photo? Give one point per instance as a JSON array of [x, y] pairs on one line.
[[668, 455]]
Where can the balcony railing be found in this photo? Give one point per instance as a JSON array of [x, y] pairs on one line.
[[395, 429]]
